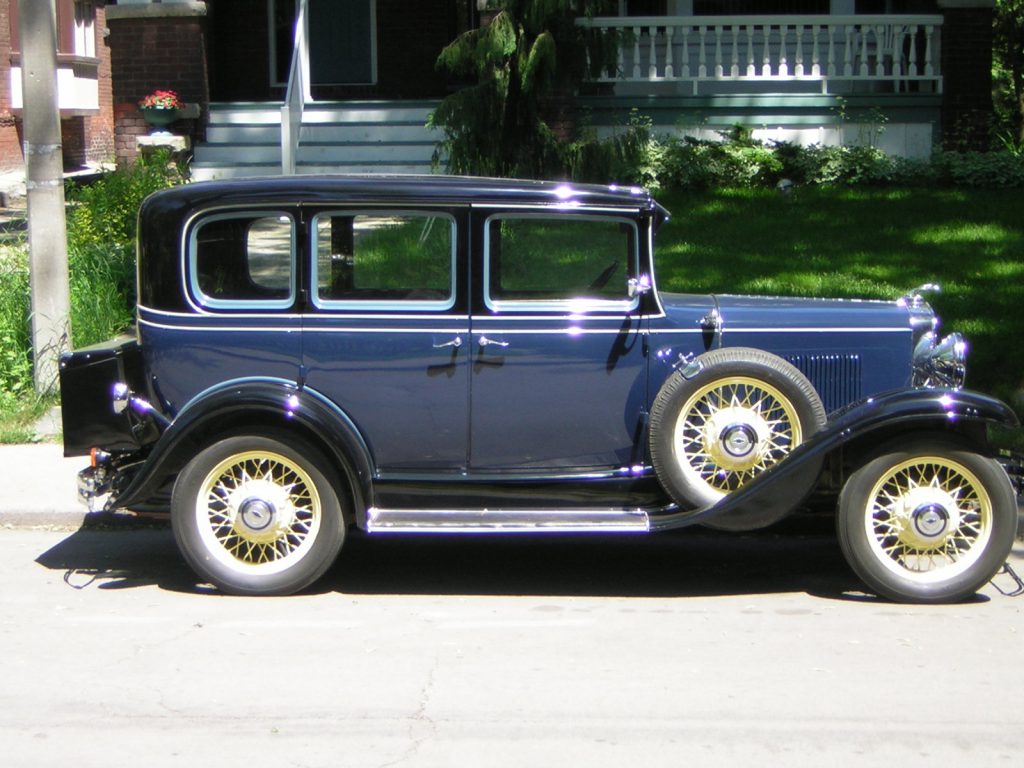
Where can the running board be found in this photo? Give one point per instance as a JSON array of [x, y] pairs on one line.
[[507, 521]]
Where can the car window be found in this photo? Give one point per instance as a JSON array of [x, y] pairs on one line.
[[244, 261], [559, 262], [381, 259]]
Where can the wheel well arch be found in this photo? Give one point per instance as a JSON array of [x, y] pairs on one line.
[[849, 456], [260, 406], [264, 421]]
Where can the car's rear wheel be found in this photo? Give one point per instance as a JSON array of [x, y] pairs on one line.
[[927, 522], [744, 411], [257, 515]]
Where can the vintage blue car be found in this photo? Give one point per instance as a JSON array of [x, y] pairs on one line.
[[406, 354]]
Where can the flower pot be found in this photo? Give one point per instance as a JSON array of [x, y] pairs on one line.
[[158, 117]]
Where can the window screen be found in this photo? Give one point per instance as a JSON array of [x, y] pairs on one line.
[[377, 258], [242, 260]]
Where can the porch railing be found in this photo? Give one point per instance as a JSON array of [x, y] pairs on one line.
[[892, 49], [298, 92]]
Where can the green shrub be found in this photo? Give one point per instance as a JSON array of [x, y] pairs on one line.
[[15, 361], [102, 222]]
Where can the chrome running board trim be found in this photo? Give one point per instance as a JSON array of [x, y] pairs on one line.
[[507, 520]]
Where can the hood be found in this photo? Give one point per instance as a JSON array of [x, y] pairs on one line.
[[738, 313]]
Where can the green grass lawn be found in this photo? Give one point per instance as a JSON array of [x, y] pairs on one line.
[[869, 244]]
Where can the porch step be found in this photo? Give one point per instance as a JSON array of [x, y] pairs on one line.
[[347, 137]]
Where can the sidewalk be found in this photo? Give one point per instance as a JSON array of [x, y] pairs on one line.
[[39, 486]]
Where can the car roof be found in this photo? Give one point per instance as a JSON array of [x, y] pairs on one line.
[[399, 188]]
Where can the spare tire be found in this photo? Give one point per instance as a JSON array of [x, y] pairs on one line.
[[744, 411]]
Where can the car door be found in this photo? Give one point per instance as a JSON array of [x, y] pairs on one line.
[[558, 378], [386, 335]]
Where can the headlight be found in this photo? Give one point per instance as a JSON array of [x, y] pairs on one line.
[[940, 363]]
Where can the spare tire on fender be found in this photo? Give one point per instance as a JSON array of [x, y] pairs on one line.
[[743, 412]]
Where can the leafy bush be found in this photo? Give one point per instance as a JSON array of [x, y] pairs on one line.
[[101, 225], [102, 222], [15, 361]]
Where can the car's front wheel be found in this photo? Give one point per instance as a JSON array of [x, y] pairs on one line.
[[927, 522], [257, 515]]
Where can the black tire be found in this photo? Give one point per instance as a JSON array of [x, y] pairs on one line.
[[928, 521], [257, 515], [743, 412]]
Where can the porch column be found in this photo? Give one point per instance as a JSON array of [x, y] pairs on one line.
[[966, 73]]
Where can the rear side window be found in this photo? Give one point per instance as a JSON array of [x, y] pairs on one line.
[[384, 260], [560, 262], [243, 261]]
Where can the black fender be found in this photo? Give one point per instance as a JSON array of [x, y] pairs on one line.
[[284, 405], [882, 417]]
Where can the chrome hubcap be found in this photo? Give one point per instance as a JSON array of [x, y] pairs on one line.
[[738, 440], [256, 514]]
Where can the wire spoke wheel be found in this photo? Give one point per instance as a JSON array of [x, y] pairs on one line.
[[258, 515], [732, 429], [725, 419], [928, 518], [258, 511]]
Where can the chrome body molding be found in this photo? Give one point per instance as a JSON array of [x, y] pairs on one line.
[[507, 520]]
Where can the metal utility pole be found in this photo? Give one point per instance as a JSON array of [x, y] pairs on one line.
[[44, 181]]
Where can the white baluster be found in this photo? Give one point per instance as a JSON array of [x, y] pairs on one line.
[[815, 52], [702, 62], [864, 51], [766, 59], [831, 67], [848, 51], [670, 71], [799, 71], [686, 52], [734, 70], [880, 51], [783, 62], [652, 69], [636, 53], [929, 66], [751, 66], [718, 52]]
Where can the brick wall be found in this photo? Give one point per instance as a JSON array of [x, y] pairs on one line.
[[10, 140], [148, 52], [85, 138], [967, 77]]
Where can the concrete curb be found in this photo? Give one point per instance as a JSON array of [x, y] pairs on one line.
[[39, 486]]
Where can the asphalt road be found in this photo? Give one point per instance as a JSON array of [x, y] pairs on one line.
[[688, 649]]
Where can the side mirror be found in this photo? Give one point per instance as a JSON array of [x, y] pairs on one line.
[[637, 286]]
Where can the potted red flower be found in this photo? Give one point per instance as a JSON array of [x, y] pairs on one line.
[[160, 108]]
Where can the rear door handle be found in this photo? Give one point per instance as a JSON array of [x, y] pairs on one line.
[[454, 343]]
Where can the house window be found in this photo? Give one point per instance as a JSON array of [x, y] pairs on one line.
[[76, 27]]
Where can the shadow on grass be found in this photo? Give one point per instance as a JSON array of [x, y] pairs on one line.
[[797, 557]]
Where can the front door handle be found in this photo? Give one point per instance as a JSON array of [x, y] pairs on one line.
[[454, 343], [483, 341]]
